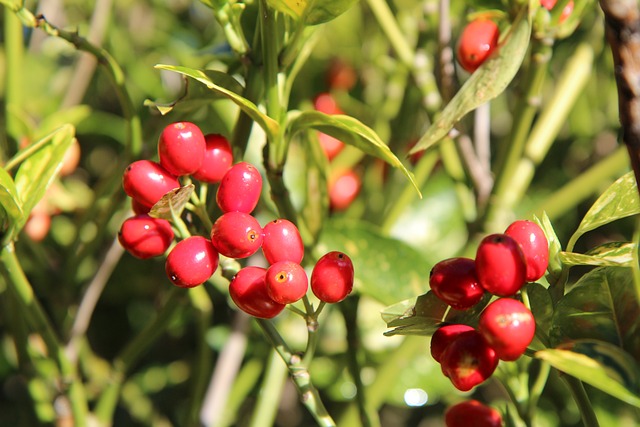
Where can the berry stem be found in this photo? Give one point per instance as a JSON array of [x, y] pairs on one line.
[[579, 394]]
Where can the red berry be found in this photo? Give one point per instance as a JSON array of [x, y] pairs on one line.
[[218, 158], [282, 242], [468, 360], [325, 103], [534, 246], [330, 146], [508, 326], [236, 235], [248, 289], [332, 277], [181, 148], [500, 265], [147, 182], [454, 281], [472, 413], [343, 190], [287, 282], [341, 75], [191, 262], [138, 208], [477, 41], [443, 336], [145, 237], [549, 4], [240, 188]]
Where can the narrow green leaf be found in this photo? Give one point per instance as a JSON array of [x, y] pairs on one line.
[[555, 265], [175, 200], [600, 364], [541, 305], [312, 12], [9, 198], [486, 83], [350, 131], [614, 254], [618, 201], [38, 171], [602, 305], [223, 84], [386, 269]]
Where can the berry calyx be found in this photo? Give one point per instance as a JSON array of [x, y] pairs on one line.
[[218, 158], [145, 237], [181, 148], [478, 40], [282, 242], [468, 360], [236, 235], [472, 413], [508, 326], [332, 277], [443, 336], [147, 181], [534, 245], [191, 262], [500, 265], [454, 281], [240, 188], [287, 282], [248, 290]]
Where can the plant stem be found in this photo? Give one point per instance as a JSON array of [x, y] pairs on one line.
[[266, 410], [14, 52], [579, 394]]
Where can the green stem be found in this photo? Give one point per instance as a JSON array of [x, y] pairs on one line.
[[14, 53], [581, 398], [265, 412], [537, 388], [244, 124], [28, 151]]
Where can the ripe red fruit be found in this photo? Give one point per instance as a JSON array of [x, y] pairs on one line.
[[138, 208], [330, 146], [218, 158], [454, 281], [147, 182], [332, 277], [325, 103], [145, 237], [341, 75], [181, 148], [240, 188], [534, 245], [236, 235], [443, 336], [500, 265], [477, 41], [248, 289], [282, 242], [343, 190], [287, 282], [549, 4], [191, 262], [472, 413], [508, 326], [468, 360]]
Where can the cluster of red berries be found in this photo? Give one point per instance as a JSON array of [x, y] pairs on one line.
[[261, 292], [504, 263]]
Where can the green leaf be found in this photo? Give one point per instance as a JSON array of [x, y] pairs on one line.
[[312, 12], [602, 305], [486, 83], [618, 201], [350, 131], [600, 364], [175, 200], [9, 199], [555, 265], [224, 85], [386, 269], [37, 172], [541, 305], [614, 254]]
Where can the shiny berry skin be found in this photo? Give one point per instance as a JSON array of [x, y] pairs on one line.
[[218, 158], [138, 208], [248, 289], [477, 41], [443, 336], [191, 262], [181, 148], [508, 326], [145, 237], [454, 281], [534, 246], [147, 182], [468, 360], [343, 190], [549, 4], [282, 242], [236, 235], [332, 277], [472, 413], [240, 188], [287, 282], [500, 265]]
